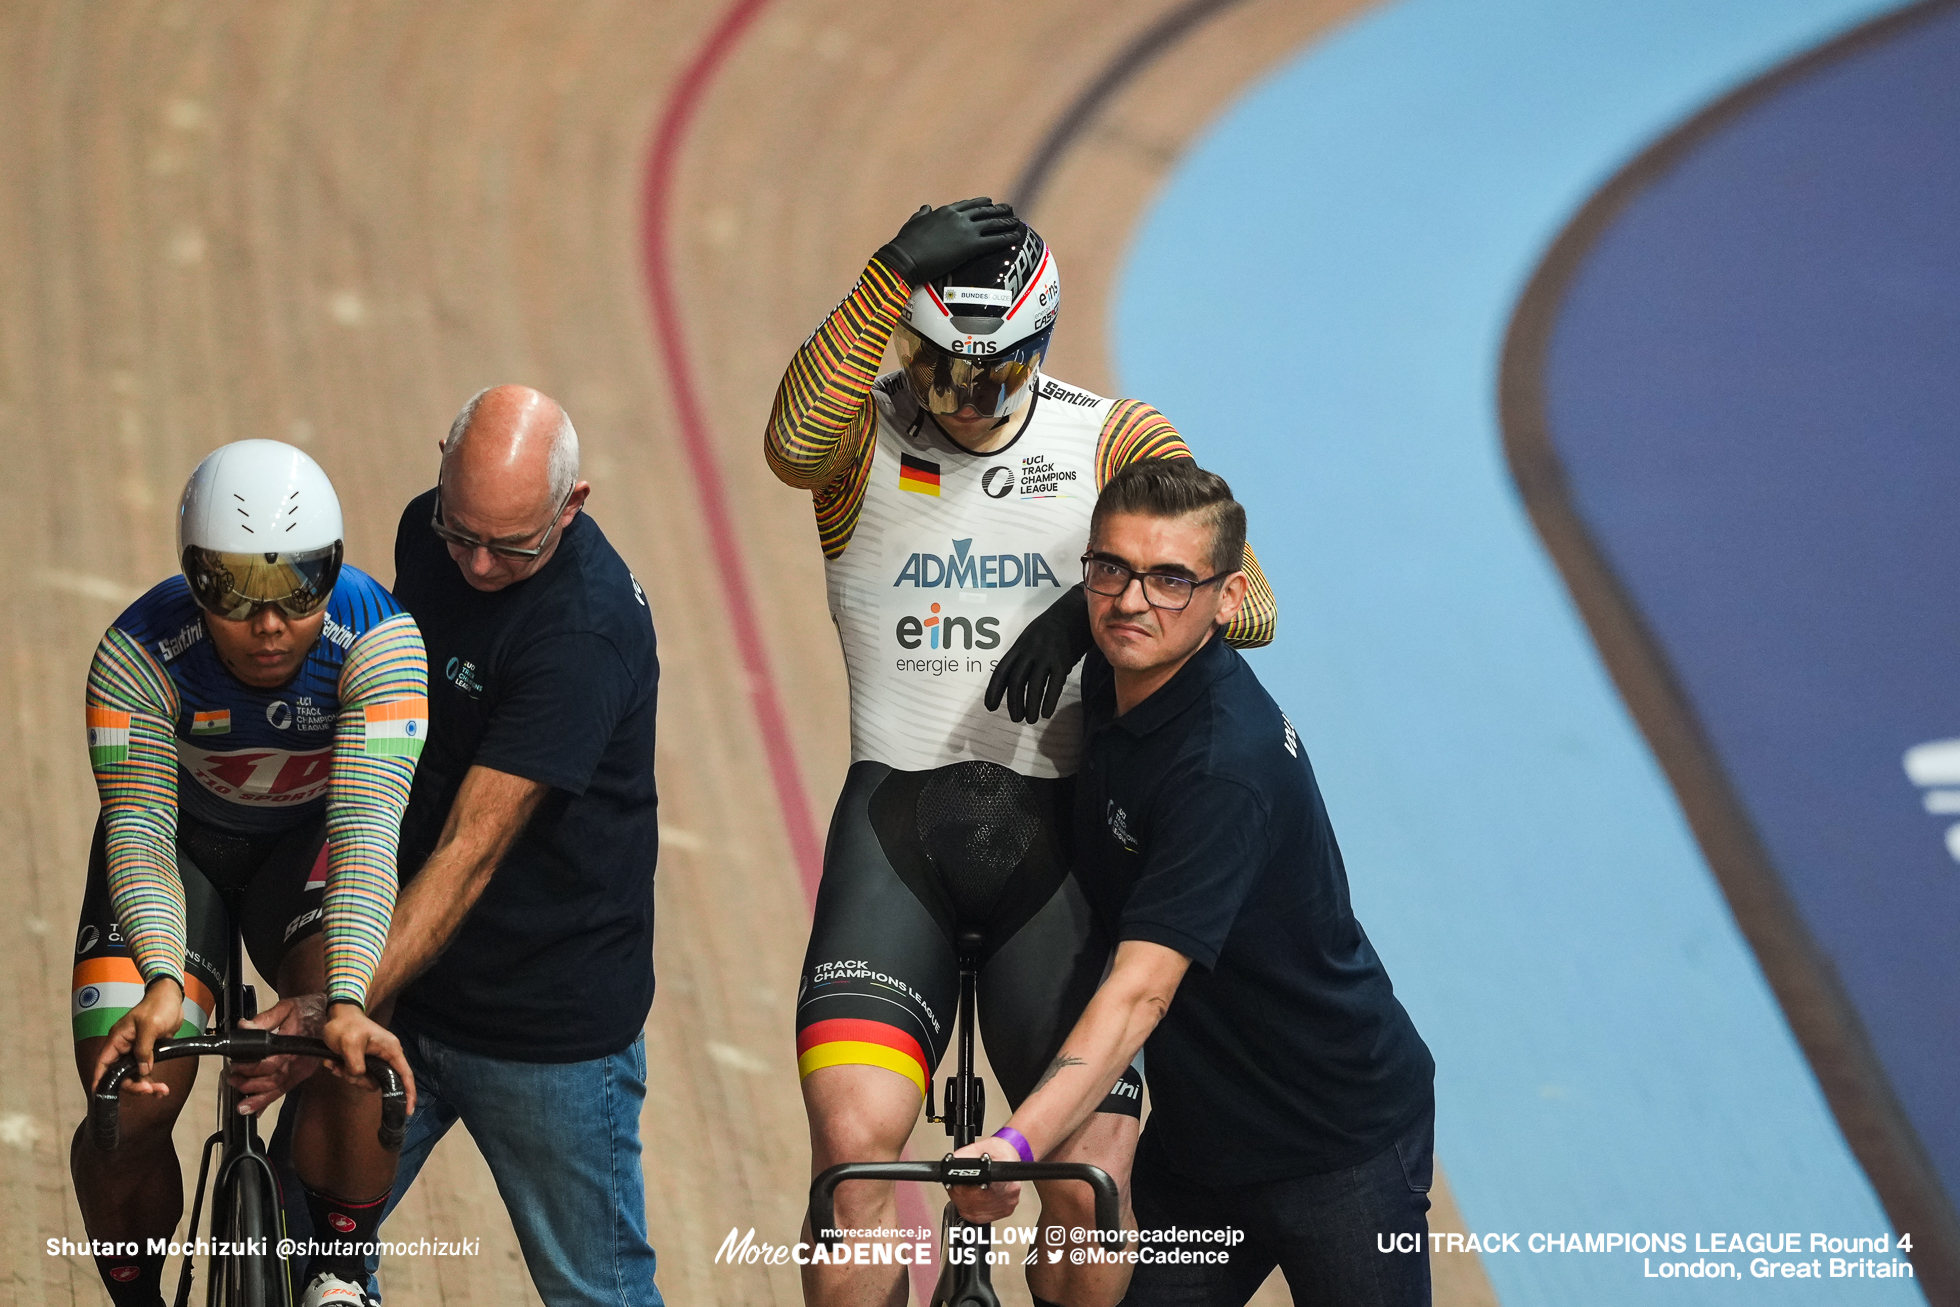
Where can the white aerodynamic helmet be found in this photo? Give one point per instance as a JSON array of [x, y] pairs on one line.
[[259, 524], [977, 335]]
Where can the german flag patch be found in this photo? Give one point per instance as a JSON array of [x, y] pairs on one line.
[[919, 475]]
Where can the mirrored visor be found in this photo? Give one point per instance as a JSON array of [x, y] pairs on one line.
[[944, 382], [231, 585]]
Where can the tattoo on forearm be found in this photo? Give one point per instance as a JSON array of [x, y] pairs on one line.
[[1062, 1059]]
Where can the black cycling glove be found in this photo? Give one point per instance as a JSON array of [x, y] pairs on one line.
[[933, 242], [1036, 668]]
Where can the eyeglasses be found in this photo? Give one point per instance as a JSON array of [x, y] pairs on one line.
[[452, 536], [1164, 590]]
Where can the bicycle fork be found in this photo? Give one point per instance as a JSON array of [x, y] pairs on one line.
[[968, 1281]]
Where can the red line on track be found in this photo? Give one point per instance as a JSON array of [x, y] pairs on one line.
[[712, 493], [711, 490]]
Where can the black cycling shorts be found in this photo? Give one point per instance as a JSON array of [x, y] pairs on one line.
[[283, 882], [915, 861]]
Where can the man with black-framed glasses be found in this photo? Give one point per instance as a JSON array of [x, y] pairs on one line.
[[1292, 1103], [519, 966], [951, 497]]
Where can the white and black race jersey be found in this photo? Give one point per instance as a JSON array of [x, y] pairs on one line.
[[952, 554]]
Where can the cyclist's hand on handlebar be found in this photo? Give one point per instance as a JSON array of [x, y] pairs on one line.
[[995, 1202], [356, 1036], [159, 1015], [263, 1081]]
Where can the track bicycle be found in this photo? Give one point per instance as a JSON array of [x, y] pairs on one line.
[[247, 1224], [963, 1283]]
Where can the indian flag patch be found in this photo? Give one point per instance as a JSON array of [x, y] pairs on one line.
[[397, 729], [108, 737], [211, 723]]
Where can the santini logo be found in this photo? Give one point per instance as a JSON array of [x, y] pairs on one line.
[[964, 570], [936, 632]]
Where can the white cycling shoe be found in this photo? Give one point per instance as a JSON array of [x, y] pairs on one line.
[[329, 1290]]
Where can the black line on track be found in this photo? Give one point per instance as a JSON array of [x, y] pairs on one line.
[[1144, 49], [1805, 982]]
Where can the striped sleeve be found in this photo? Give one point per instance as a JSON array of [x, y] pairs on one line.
[[1258, 619], [820, 425], [384, 718], [132, 748], [840, 502], [1134, 430]]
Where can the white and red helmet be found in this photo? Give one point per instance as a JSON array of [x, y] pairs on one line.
[[977, 335]]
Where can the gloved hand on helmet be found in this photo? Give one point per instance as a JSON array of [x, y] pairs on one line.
[[1036, 668], [933, 242]]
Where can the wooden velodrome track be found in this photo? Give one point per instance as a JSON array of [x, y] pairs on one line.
[[329, 223]]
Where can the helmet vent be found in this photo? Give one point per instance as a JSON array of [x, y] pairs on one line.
[[976, 326], [249, 490]]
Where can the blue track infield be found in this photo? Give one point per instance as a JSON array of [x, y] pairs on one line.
[[1751, 385], [1319, 300]]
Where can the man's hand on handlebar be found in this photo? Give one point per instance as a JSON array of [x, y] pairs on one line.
[[995, 1202], [159, 1015], [356, 1036], [264, 1081]]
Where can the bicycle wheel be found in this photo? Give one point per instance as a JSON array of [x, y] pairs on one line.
[[254, 1275]]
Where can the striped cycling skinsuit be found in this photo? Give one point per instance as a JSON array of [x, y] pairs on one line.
[[288, 799], [952, 818]]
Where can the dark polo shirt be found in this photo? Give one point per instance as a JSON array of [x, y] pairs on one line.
[[1199, 827], [554, 679]]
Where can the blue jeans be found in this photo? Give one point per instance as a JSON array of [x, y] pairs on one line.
[[1325, 1232], [563, 1141]]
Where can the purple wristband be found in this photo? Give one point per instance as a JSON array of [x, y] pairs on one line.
[[1019, 1140]]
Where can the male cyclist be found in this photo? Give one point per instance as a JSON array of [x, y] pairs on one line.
[[253, 725], [952, 499]]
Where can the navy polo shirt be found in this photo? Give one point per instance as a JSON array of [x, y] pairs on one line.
[[1199, 827], [554, 679]]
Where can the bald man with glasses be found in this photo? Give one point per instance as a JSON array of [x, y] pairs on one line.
[[521, 959]]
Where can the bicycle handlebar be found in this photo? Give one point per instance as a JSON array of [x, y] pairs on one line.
[[962, 1170], [105, 1104]]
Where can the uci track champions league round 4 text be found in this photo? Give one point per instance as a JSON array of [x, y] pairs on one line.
[[1706, 1255]]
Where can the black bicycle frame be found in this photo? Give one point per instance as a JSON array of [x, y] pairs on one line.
[[237, 1136], [962, 1284]]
